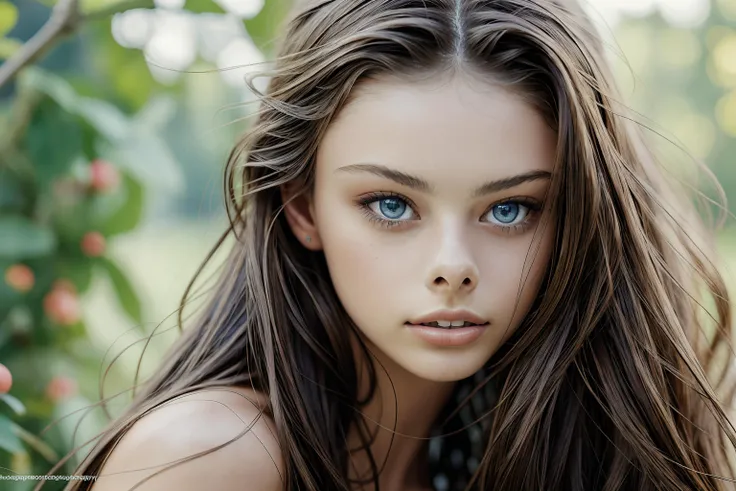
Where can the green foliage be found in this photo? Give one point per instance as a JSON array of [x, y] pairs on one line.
[[203, 6], [123, 71], [13, 403], [10, 433], [264, 27], [114, 218], [681, 80], [8, 47], [20, 238], [8, 438], [8, 17], [73, 174], [53, 141], [78, 154], [124, 290], [8, 20]]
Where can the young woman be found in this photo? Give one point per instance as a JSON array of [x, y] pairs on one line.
[[457, 266]]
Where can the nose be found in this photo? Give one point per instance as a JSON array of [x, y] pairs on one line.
[[454, 280], [454, 271]]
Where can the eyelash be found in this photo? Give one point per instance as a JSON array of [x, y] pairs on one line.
[[533, 206]]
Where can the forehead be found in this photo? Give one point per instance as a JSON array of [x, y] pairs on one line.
[[459, 124]]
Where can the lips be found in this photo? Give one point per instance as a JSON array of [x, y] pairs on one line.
[[449, 319], [448, 337], [447, 325]]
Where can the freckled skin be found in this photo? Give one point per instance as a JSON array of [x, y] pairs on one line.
[[449, 250]]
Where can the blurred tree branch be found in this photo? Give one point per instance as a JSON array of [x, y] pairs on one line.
[[66, 19]]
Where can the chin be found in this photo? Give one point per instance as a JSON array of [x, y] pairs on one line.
[[444, 366], [431, 363]]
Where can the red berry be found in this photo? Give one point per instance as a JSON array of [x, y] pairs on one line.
[[19, 277], [103, 176], [60, 388], [62, 306], [93, 244], [6, 379]]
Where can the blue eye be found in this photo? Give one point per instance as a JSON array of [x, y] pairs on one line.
[[507, 213], [392, 208]]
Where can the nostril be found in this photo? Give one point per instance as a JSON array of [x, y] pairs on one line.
[[441, 280]]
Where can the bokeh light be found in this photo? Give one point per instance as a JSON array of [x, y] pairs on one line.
[[724, 59], [726, 113], [727, 8], [679, 48], [684, 13]]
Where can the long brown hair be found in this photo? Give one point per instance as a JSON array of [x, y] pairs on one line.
[[614, 380]]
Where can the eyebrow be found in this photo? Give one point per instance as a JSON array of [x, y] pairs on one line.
[[419, 184]]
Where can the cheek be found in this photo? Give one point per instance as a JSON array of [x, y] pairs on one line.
[[364, 266], [518, 278]]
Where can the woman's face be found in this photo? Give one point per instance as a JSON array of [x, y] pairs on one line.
[[428, 197]]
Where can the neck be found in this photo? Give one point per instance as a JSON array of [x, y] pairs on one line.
[[400, 414]]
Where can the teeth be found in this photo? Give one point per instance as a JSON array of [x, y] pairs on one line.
[[448, 324]]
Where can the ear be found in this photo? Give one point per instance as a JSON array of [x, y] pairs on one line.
[[299, 212]]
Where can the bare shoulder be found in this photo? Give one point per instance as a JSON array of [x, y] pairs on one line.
[[199, 422]]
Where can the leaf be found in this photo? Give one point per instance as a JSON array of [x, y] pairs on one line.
[[36, 443], [106, 118], [151, 159], [124, 290], [127, 217], [11, 194], [53, 141], [19, 320], [4, 331], [21, 238], [156, 114], [91, 6], [14, 404], [8, 47], [20, 463], [124, 71], [8, 439], [78, 270], [203, 6], [133, 144], [40, 408], [263, 28], [8, 17], [147, 158], [47, 83], [99, 208]]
